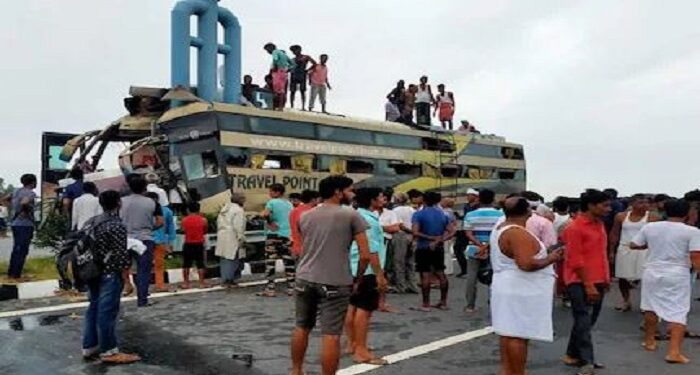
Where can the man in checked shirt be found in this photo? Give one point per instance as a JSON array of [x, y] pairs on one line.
[[100, 330]]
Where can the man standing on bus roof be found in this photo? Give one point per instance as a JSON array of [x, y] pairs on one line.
[[318, 77], [298, 76], [281, 65], [424, 99], [445, 104], [277, 240]]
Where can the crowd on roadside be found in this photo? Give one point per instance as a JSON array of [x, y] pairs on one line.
[[346, 250], [516, 246]]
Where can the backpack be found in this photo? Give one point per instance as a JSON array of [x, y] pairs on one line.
[[87, 264]]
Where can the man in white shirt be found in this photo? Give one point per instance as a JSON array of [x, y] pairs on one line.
[[390, 224], [404, 265], [153, 181], [86, 206]]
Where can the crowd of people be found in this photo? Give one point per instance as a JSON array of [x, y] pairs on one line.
[[345, 250]]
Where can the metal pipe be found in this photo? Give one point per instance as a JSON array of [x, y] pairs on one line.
[[180, 40], [232, 59]]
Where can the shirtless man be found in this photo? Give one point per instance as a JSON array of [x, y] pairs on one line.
[[299, 75], [523, 283], [628, 263]]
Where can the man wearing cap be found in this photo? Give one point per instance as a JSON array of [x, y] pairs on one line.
[[461, 240]]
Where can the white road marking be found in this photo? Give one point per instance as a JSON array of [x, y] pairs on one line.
[[419, 350], [77, 305]]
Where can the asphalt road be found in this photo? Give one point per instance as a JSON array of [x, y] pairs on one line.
[[198, 333]]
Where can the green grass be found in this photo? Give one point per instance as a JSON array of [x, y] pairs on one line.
[[36, 269]]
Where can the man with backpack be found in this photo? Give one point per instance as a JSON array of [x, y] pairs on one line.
[[108, 254]]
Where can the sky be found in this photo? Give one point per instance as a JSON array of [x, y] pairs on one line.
[[600, 93]]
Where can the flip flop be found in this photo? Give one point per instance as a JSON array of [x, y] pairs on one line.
[[120, 359], [681, 361], [649, 348], [373, 361]]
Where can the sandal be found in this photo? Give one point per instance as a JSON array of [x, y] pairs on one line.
[[441, 306], [267, 293], [649, 347], [373, 361], [682, 360], [120, 359]]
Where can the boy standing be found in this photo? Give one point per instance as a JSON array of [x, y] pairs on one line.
[[195, 227], [318, 77], [278, 232]]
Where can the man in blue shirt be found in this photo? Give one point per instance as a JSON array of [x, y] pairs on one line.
[[365, 298], [431, 228], [22, 225], [73, 191], [478, 225], [277, 243]]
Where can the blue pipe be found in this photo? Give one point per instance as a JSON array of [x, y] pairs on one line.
[[180, 40], [232, 57], [210, 14]]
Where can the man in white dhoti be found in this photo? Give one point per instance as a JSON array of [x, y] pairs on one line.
[[523, 287], [673, 248]]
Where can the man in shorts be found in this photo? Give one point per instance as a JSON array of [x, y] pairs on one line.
[[324, 280], [367, 297], [195, 227], [298, 75], [431, 228]]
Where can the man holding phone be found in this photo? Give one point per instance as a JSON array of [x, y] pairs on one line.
[[587, 276]]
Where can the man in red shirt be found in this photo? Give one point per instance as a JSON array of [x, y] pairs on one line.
[[195, 227], [309, 199], [587, 276]]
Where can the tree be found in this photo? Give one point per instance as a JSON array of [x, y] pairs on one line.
[[5, 191]]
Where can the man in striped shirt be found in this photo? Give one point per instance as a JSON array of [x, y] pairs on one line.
[[478, 225]]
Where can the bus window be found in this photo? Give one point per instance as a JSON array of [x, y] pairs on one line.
[[236, 157], [437, 144], [323, 163], [477, 149], [277, 162], [406, 169], [512, 153], [397, 140], [506, 174], [384, 168], [338, 134], [520, 175], [194, 168], [359, 166], [211, 164], [451, 171], [270, 126]]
